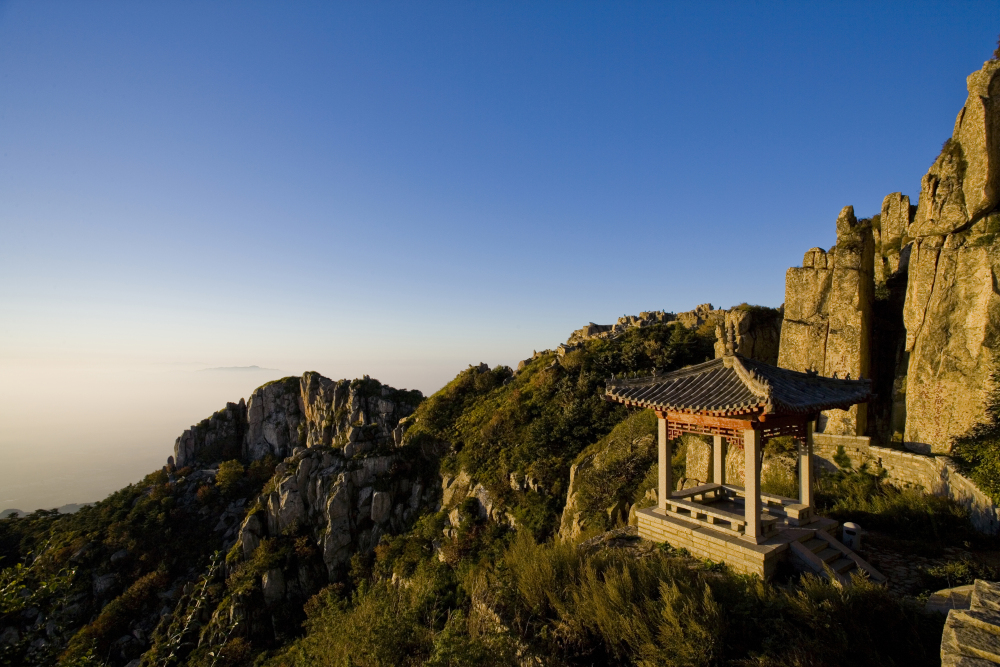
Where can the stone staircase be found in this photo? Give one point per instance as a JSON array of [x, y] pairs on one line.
[[971, 636], [818, 552]]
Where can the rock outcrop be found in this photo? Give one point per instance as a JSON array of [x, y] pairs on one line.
[[892, 236], [828, 313], [934, 271], [274, 413], [342, 505], [963, 184], [220, 436], [691, 319], [757, 332], [952, 309], [360, 415]]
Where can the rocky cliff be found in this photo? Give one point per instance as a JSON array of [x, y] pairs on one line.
[[828, 313], [756, 332], [309, 411], [952, 310], [757, 328], [918, 286]]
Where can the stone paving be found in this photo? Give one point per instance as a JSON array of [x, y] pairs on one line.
[[904, 570]]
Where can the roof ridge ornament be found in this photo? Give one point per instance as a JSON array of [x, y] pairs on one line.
[[730, 338], [758, 386]]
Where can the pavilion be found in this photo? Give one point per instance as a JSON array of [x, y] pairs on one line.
[[743, 403]]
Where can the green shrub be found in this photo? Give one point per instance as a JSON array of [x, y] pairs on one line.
[[869, 499], [957, 573]]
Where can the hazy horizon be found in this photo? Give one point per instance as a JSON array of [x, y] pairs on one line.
[[401, 190]]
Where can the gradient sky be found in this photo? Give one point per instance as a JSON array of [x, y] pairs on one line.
[[402, 189]]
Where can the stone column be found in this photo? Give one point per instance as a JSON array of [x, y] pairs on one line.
[[719, 459], [751, 474], [806, 467], [666, 472]]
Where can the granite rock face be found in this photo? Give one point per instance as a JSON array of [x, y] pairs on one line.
[[952, 309], [329, 498], [219, 436], [757, 332], [963, 184], [952, 317], [274, 413], [359, 415], [363, 413], [892, 236], [828, 313]]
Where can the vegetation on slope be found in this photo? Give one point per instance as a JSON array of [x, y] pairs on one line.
[[534, 423], [72, 584], [570, 606], [480, 593], [978, 451]]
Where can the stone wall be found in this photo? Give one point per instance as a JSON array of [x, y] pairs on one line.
[[828, 314], [933, 474]]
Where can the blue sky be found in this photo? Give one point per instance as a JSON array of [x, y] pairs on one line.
[[404, 188]]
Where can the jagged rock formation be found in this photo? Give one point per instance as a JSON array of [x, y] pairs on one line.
[[691, 319], [274, 413], [963, 184], [828, 314], [342, 504], [891, 231], [935, 327], [219, 436], [309, 411], [952, 310]]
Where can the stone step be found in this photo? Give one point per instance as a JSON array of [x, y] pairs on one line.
[[829, 554], [843, 565], [815, 545], [970, 638]]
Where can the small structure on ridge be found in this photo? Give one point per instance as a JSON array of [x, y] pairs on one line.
[[743, 403]]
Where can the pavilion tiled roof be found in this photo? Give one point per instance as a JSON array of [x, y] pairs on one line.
[[734, 385]]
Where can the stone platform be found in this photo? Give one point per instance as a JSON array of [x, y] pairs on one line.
[[705, 541]]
